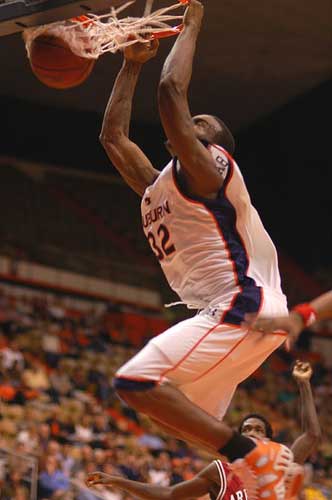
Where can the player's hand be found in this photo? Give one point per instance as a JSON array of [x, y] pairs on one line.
[[141, 52], [95, 478], [291, 325], [302, 371], [193, 14]]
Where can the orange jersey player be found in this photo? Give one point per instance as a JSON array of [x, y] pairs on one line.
[[256, 426]]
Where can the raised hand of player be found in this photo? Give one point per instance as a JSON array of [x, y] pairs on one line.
[[193, 14], [95, 478], [292, 325], [302, 371], [141, 52]]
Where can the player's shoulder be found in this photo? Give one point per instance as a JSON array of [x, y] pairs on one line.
[[223, 470], [211, 472], [224, 161]]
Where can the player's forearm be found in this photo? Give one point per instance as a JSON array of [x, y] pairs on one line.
[[323, 305], [142, 490], [309, 414], [118, 111], [177, 69]]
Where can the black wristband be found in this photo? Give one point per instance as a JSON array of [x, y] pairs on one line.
[[237, 447]]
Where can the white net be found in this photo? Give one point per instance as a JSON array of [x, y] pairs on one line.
[[92, 35]]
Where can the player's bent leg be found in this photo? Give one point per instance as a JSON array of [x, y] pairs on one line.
[[155, 380], [169, 406], [180, 417], [183, 437]]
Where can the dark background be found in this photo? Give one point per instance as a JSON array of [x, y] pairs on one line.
[[285, 158], [264, 68]]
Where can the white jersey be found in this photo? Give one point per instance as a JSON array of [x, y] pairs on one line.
[[212, 251]]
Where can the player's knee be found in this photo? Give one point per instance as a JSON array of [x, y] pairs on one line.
[[132, 391]]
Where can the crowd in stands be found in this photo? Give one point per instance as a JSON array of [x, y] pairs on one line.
[[73, 223], [58, 405]]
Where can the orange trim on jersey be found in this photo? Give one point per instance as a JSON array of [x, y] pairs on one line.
[[184, 196], [231, 304]]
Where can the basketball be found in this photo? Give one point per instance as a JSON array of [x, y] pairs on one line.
[[55, 65]]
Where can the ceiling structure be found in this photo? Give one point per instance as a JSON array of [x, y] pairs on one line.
[[252, 57]]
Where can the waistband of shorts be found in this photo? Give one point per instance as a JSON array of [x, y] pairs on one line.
[[220, 304]]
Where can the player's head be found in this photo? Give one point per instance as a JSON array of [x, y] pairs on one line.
[[256, 426], [213, 130]]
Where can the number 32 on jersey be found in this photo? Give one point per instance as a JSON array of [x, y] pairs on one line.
[[160, 244]]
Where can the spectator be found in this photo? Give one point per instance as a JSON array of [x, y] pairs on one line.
[[11, 355], [83, 430], [35, 377], [89, 428], [29, 438], [52, 481], [14, 488], [51, 345]]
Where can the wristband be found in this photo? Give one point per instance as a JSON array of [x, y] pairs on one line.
[[307, 313]]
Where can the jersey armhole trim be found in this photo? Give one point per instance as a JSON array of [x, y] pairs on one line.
[[229, 175], [200, 199], [223, 479]]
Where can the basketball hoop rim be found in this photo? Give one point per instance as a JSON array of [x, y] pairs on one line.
[[91, 35]]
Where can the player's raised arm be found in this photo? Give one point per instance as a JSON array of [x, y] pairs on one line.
[[194, 488], [202, 177], [126, 156], [300, 317], [306, 444]]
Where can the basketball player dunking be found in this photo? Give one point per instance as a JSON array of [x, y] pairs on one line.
[[216, 479], [213, 248]]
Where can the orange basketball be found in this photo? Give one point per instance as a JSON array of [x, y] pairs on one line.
[[55, 65]]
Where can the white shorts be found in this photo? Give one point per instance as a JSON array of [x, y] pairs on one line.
[[206, 359]]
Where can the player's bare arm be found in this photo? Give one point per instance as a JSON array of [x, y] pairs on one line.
[[194, 488], [320, 308], [306, 444], [135, 168], [198, 167]]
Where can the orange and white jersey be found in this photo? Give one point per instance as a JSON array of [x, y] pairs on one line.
[[294, 481], [264, 470], [213, 252]]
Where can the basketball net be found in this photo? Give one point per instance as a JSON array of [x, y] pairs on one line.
[[92, 35]]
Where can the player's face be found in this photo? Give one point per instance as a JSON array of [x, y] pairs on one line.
[[206, 127], [254, 427]]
